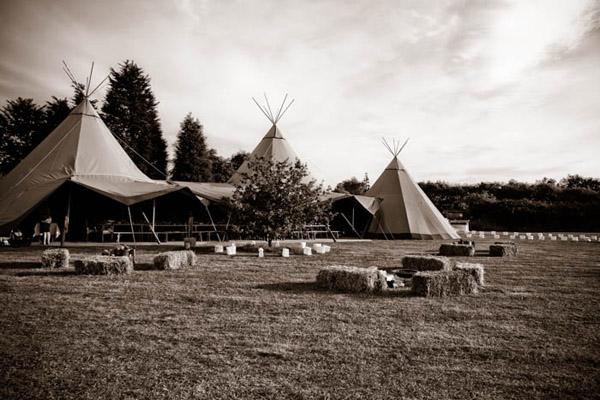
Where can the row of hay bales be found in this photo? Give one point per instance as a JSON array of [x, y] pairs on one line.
[[466, 248], [434, 276], [115, 264]]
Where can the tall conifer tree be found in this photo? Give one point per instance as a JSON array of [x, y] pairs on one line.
[[192, 157], [129, 110]]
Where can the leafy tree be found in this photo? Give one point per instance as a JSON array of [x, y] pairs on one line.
[[353, 185], [238, 159], [79, 94], [272, 201], [221, 167], [192, 159], [21, 129], [55, 111], [130, 112], [580, 182]]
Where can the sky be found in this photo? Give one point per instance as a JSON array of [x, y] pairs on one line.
[[485, 90]]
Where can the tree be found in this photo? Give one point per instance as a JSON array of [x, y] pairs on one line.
[[129, 111], [192, 159], [21, 129], [272, 201], [221, 169], [353, 185], [55, 111], [238, 159]]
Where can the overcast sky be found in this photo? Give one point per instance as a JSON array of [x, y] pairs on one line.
[[486, 90]]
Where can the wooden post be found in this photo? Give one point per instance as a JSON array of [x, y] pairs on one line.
[[65, 226]]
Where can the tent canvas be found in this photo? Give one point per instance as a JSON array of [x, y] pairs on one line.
[[405, 211], [81, 150]]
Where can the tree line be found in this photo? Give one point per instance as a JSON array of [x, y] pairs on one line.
[[570, 204], [129, 109]]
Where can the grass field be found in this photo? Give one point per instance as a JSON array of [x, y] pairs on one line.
[[254, 328]]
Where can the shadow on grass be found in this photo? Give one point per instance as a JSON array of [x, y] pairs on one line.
[[20, 265], [47, 272], [314, 288]]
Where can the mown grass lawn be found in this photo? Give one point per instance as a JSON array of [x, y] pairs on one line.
[[254, 328]]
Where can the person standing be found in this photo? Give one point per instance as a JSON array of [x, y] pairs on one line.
[[45, 222]]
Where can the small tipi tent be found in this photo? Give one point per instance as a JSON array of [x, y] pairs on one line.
[[80, 150], [273, 145], [405, 210]]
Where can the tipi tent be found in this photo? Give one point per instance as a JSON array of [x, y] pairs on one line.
[[405, 211], [273, 145], [83, 151]]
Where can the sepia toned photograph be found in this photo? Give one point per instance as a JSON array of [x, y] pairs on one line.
[[299, 199]]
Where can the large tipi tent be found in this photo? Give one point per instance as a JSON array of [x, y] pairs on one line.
[[405, 211], [83, 151], [273, 145]]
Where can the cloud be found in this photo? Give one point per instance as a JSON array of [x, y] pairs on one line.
[[484, 89]]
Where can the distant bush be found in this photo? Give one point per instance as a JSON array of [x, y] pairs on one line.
[[572, 204]]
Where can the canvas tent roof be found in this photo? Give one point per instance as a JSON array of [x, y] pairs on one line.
[[370, 204], [81, 150], [273, 146], [211, 191], [405, 210]]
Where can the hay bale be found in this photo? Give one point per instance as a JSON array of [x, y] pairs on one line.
[[443, 283], [426, 263], [104, 265], [457, 249], [352, 279], [55, 258], [476, 270], [503, 249], [175, 259]]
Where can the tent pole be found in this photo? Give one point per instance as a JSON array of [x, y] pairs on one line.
[[131, 224], [351, 226], [65, 226], [151, 228], [212, 222], [153, 213], [331, 233]]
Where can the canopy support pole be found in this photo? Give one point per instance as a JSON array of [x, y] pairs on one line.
[[65, 226], [151, 228], [131, 224], [212, 222], [153, 213], [351, 226], [331, 233]]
